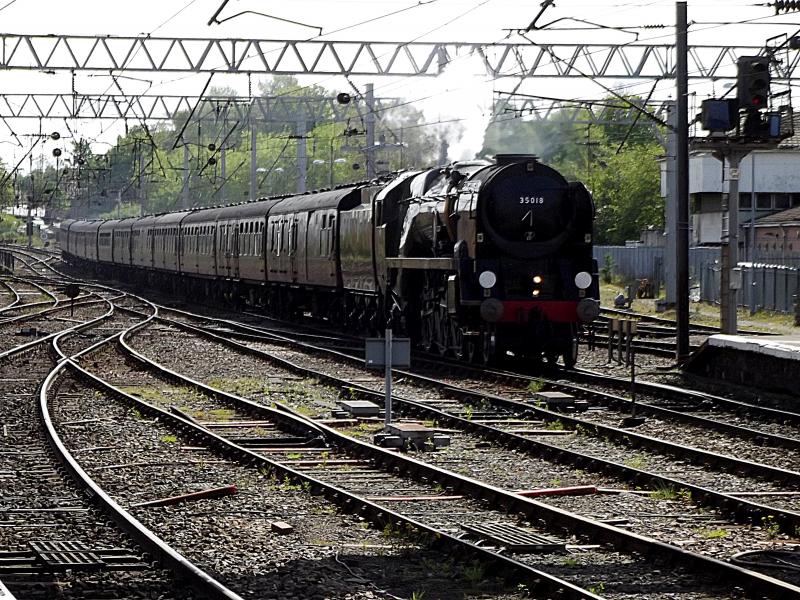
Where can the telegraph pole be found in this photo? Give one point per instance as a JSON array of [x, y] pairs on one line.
[[302, 152], [682, 176], [671, 212], [29, 220], [369, 123], [730, 280], [185, 190], [252, 155], [223, 172]]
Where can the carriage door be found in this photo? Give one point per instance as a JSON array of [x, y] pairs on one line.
[[292, 245], [235, 250], [228, 246]]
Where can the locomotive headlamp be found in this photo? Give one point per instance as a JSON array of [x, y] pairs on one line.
[[537, 279], [535, 293], [583, 280], [487, 279]]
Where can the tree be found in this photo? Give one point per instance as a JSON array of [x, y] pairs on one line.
[[617, 162]]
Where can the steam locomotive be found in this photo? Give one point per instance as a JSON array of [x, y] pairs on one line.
[[476, 259]]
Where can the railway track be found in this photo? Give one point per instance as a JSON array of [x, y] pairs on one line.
[[533, 576], [307, 460], [58, 542], [311, 461]]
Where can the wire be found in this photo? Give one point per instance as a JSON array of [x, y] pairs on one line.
[[260, 14], [5, 6], [275, 162]]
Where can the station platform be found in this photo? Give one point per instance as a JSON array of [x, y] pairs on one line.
[[769, 362]]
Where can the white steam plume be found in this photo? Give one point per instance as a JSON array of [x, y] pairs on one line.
[[458, 93]]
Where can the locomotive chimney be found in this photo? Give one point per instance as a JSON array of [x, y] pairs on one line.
[[507, 159]]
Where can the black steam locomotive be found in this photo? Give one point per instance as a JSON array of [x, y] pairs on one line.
[[475, 260]]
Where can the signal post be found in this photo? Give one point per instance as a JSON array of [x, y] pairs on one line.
[[737, 128]]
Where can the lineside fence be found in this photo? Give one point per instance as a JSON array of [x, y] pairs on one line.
[[763, 286]]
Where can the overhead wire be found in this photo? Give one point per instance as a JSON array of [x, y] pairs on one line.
[[422, 4]]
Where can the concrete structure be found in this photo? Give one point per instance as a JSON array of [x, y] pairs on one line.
[[771, 176], [769, 183], [766, 362], [777, 237]]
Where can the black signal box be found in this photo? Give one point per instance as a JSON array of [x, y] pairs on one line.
[[719, 115]]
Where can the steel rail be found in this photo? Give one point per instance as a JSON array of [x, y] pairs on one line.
[[675, 393], [740, 509], [138, 532], [511, 502], [710, 458], [17, 297], [381, 515]]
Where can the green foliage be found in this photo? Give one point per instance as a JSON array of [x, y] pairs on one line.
[[556, 425], [10, 228], [771, 527], [624, 178], [143, 172], [597, 589], [535, 385], [664, 493], [169, 439], [636, 462], [607, 270], [474, 573], [715, 534]]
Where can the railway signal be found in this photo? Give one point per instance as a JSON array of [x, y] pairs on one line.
[[752, 81]]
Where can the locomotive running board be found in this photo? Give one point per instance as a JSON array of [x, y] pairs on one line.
[[439, 264]]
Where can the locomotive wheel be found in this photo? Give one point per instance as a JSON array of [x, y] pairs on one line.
[[571, 355], [442, 330], [456, 339], [428, 331], [551, 356], [487, 348]]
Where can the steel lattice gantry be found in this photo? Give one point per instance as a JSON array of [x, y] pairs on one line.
[[206, 55], [579, 112], [160, 107]]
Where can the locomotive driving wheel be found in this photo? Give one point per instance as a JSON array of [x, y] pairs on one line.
[[469, 349], [488, 348], [442, 328], [427, 321], [570, 355], [456, 338]]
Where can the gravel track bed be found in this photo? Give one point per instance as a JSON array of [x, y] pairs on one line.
[[6, 297], [688, 525], [326, 556], [52, 322], [599, 448], [597, 362], [117, 322], [686, 434], [39, 502]]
